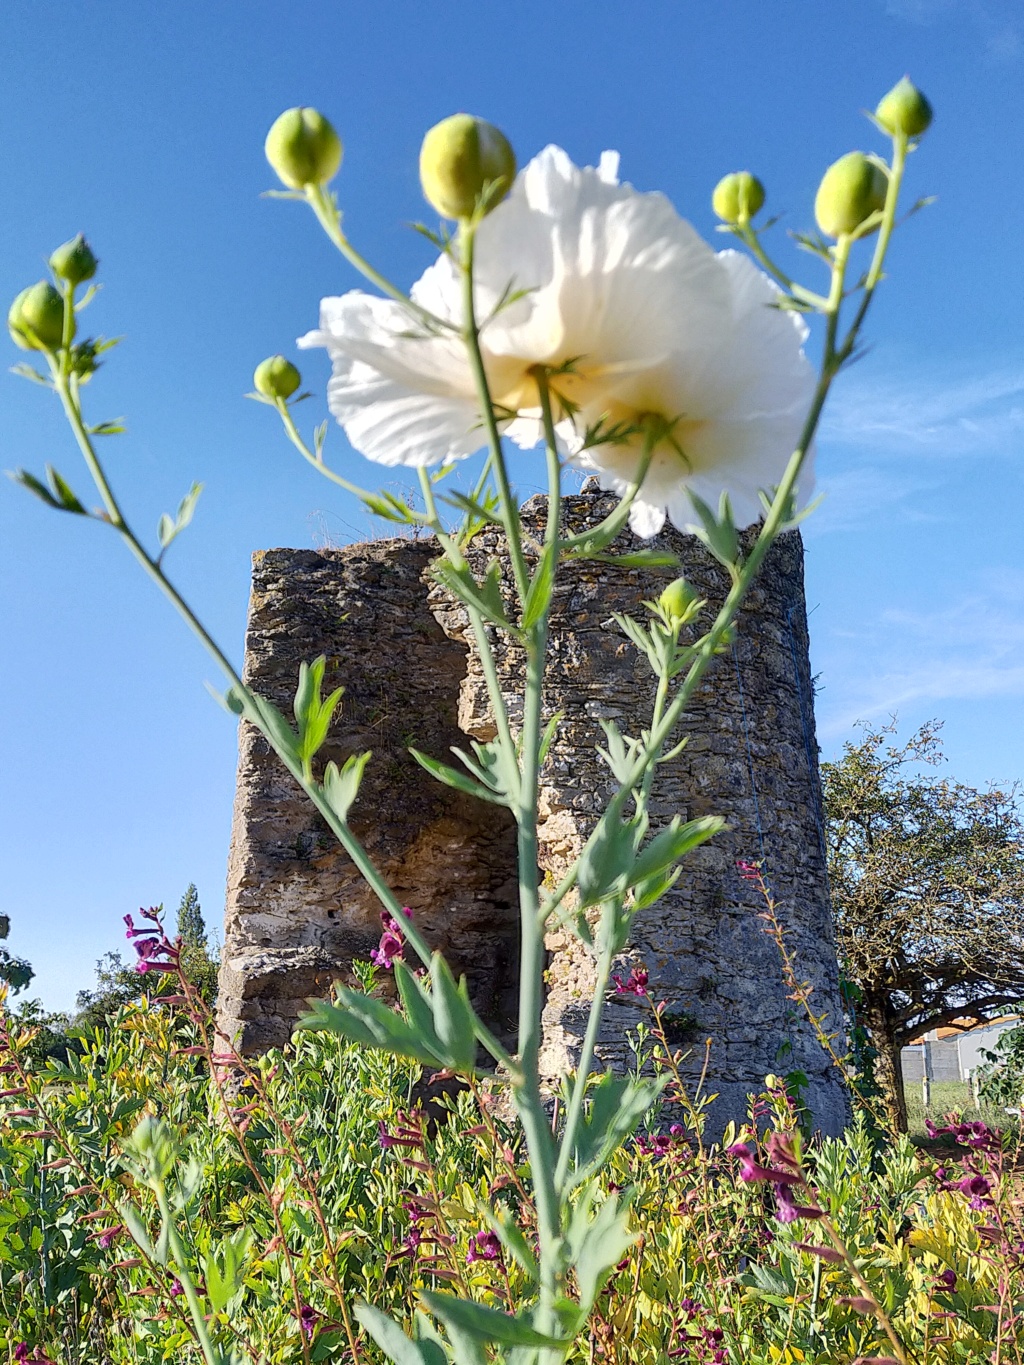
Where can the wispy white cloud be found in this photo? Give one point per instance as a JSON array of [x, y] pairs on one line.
[[969, 649], [938, 415], [864, 493], [997, 23]]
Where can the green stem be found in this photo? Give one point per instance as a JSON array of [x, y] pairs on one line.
[[752, 241], [528, 1098], [320, 201], [116, 519], [885, 231], [210, 1352], [589, 542], [574, 1113], [452, 548], [293, 435], [527, 1093], [471, 336], [551, 451]]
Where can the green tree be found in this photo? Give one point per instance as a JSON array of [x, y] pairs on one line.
[[197, 962], [15, 971], [928, 891], [117, 984]]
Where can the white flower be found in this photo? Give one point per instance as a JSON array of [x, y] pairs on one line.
[[646, 318]]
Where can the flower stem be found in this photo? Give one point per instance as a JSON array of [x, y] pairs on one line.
[[210, 1352], [471, 336], [300, 445], [330, 220]]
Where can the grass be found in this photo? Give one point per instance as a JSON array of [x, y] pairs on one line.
[[947, 1096]]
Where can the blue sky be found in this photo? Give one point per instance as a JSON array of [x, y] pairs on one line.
[[143, 125]]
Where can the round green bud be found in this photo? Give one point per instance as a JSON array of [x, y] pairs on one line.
[[36, 318], [461, 157], [276, 377], [904, 110], [737, 197], [303, 148], [677, 599], [74, 261], [851, 190]]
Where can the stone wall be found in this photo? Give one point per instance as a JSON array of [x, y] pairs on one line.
[[297, 913]]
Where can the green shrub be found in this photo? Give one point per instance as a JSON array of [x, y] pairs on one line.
[[306, 1180]]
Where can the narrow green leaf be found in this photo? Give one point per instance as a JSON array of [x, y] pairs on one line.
[[139, 1234], [390, 508], [451, 777], [641, 559], [62, 492], [616, 1106], [34, 486], [454, 1019], [187, 506], [341, 786], [487, 1325], [417, 1005], [324, 1017], [598, 1244], [307, 691], [718, 532], [509, 1234], [607, 858], [673, 843], [399, 1348], [485, 597], [485, 513], [30, 372], [538, 595], [550, 730], [362, 1019]]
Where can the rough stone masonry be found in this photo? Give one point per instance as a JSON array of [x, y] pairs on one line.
[[298, 913]]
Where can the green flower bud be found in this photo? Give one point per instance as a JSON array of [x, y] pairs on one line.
[[36, 318], [303, 148], [904, 110], [677, 599], [460, 157], [74, 261], [738, 196], [276, 377], [850, 191]]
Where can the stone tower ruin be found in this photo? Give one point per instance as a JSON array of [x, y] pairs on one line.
[[298, 913]]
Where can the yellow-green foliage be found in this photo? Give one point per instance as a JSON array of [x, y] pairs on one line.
[[299, 1153]]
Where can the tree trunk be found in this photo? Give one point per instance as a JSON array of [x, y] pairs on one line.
[[888, 1063]]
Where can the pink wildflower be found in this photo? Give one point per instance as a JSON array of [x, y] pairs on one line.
[[484, 1247], [634, 984]]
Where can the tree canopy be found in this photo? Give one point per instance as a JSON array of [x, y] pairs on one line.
[[927, 882]]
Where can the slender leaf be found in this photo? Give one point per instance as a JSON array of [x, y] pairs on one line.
[[341, 785], [362, 1019], [30, 482], [597, 1244], [62, 492], [483, 1324], [454, 1019], [538, 595], [393, 1341], [616, 1106], [673, 843], [451, 777]]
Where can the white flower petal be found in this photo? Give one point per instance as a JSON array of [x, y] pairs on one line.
[[634, 314]]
